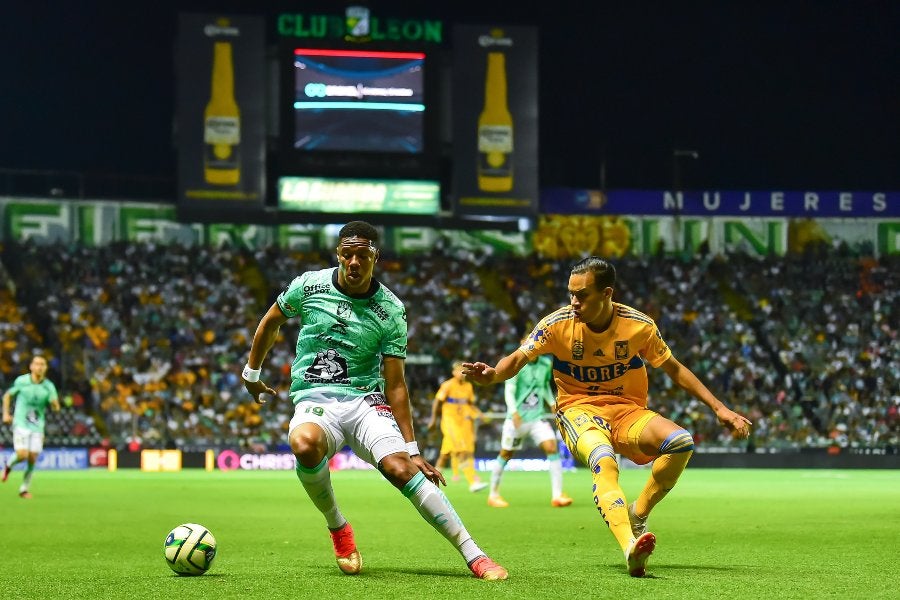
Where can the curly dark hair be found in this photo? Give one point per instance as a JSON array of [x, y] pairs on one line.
[[359, 229]]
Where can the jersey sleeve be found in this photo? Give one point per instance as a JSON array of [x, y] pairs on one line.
[[442, 391], [290, 298], [395, 340], [656, 351], [538, 341], [14, 390], [54, 394]]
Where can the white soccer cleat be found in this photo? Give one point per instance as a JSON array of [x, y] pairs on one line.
[[478, 486], [638, 524], [638, 553]]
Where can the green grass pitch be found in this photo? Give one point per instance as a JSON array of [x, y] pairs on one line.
[[721, 534]]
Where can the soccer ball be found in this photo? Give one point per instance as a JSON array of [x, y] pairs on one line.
[[190, 549]]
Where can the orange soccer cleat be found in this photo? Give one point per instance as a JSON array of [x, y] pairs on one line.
[[561, 500], [497, 501], [348, 558], [484, 568]]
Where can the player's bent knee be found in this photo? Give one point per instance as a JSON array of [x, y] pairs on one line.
[[398, 469], [677, 442], [308, 444]]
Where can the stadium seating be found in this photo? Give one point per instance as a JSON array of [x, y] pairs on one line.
[[805, 345]]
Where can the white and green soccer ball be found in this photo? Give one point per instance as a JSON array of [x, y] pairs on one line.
[[190, 549]]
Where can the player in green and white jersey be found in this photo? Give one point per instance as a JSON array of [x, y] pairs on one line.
[[33, 393], [348, 387], [528, 398]]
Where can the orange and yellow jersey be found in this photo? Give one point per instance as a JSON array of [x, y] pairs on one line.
[[457, 401], [588, 366]]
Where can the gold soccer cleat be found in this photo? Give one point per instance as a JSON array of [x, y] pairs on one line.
[[348, 558]]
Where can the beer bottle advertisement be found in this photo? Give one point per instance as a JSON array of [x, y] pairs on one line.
[[495, 130], [220, 113], [222, 122], [495, 120]]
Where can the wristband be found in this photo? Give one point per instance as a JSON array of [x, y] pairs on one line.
[[251, 375], [412, 448]]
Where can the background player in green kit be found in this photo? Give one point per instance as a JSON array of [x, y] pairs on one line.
[[528, 398], [33, 393], [348, 387]]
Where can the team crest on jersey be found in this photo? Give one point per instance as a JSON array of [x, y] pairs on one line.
[[344, 308], [328, 367], [577, 350], [622, 350]]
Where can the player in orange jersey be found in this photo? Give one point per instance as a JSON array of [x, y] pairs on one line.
[[600, 350], [455, 403]]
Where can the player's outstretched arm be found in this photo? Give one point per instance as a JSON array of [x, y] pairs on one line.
[[484, 374], [736, 423]]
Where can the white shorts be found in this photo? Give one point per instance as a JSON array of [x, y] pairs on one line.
[[27, 440], [512, 437], [365, 423]]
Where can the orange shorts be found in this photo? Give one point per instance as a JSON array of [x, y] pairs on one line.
[[620, 423], [458, 437]]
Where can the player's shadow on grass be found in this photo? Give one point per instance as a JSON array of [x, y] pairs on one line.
[[723, 568], [390, 571], [660, 572]]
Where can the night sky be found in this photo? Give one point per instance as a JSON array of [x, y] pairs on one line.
[[771, 95]]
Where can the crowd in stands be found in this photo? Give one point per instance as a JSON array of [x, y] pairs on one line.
[[147, 341]]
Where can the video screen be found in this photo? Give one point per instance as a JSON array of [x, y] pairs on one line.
[[359, 101]]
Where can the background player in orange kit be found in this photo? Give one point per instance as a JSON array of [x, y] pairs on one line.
[[455, 403]]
